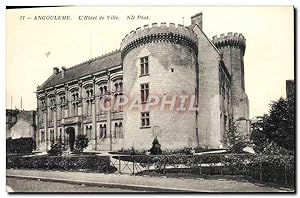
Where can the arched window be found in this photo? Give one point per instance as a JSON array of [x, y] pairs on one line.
[[120, 86], [116, 87], [101, 91], [105, 89]]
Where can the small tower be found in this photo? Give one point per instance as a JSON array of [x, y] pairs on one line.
[[232, 49]]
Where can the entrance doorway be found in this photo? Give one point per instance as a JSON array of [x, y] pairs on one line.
[[71, 133]]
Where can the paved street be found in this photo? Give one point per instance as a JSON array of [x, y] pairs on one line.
[[28, 185], [125, 181]]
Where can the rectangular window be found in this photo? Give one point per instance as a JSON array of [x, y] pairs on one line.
[[103, 131], [121, 130], [144, 92], [144, 66], [145, 119], [42, 136], [116, 132], [52, 136]]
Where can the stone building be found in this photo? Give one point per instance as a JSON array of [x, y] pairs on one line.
[[162, 60], [290, 88], [20, 124], [11, 119]]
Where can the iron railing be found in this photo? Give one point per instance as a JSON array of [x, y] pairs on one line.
[[270, 169]]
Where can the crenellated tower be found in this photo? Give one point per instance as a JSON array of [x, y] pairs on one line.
[[232, 48], [159, 61]]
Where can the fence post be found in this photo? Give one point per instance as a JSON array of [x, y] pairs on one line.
[[148, 164], [132, 164], [200, 167], [285, 174], [119, 164], [107, 166], [181, 162], [164, 170], [260, 171]]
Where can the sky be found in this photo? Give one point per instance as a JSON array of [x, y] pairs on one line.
[[269, 33]]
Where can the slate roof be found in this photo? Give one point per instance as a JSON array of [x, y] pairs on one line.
[[86, 68], [28, 116]]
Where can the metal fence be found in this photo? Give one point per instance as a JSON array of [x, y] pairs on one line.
[[270, 169]]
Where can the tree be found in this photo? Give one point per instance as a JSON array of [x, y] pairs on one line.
[[235, 141], [81, 143], [258, 138], [277, 129]]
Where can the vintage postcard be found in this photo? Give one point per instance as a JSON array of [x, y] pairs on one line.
[[150, 99]]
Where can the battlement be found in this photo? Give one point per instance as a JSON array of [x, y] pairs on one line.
[[233, 39], [162, 31]]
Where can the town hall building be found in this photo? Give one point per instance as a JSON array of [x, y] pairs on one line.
[[157, 60]]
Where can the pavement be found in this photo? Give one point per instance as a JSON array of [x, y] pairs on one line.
[[17, 185], [157, 184]]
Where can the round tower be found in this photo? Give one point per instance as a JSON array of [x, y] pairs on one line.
[[232, 48], [159, 62]]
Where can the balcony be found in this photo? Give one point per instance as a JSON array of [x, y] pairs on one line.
[[117, 115], [102, 116], [41, 125], [71, 120], [58, 122], [51, 123], [87, 118]]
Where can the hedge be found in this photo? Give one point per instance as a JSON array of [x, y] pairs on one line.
[[265, 168], [86, 163], [21, 145]]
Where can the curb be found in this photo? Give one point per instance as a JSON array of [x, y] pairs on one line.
[[109, 185]]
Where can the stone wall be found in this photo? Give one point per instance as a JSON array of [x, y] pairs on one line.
[[171, 73], [22, 128], [209, 122]]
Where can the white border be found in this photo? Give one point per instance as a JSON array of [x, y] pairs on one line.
[[116, 3]]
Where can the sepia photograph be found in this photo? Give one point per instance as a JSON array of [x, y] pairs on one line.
[[150, 99]]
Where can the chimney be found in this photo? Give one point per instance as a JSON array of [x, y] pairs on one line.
[[63, 71], [197, 19], [55, 70]]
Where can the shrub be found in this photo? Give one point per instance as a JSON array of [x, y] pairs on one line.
[[78, 162], [81, 143], [20, 145], [56, 149]]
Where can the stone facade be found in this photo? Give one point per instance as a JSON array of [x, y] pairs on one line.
[[20, 124], [290, 88], [162, 60]]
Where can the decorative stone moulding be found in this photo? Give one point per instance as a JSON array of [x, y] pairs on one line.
[[163, 33]]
